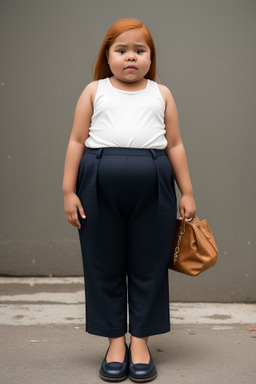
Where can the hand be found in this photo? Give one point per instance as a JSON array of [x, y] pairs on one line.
[[187, 207], [72, 203]]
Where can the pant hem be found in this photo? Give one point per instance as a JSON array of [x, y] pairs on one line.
[[106, 332], [150, 331]]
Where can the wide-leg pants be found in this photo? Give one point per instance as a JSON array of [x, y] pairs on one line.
[[130, 203]]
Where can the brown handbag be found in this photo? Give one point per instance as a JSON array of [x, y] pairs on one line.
[[194, 249]]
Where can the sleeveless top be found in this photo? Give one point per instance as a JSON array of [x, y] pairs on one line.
[[127, 118]]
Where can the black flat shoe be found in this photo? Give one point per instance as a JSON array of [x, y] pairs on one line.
[[141, 372], [115, 371]]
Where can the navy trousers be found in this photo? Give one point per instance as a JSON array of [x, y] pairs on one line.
[[130, 203]]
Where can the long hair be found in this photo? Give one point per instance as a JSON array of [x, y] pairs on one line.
[[102, 69]]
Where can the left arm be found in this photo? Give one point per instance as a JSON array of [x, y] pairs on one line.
[[176, 154]]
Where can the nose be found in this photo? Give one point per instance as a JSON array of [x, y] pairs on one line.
[[131, 58]]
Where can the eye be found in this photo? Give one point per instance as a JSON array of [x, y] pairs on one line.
[[138, 50]]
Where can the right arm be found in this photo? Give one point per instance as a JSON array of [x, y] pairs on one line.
[[74, 153]]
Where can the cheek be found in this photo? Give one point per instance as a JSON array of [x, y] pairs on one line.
[[146, 60], [115, 60]]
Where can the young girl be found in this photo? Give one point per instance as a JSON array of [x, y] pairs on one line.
[[124, 153]]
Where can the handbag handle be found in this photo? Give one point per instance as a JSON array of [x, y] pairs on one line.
[[181, 233]]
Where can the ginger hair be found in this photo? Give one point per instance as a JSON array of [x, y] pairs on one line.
[[102, 69]]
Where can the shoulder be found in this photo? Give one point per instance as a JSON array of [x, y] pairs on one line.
[[171, 112], [92, 86], [166, 94], [90, 91]]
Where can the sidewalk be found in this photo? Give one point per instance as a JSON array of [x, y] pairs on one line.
[[43, 340]]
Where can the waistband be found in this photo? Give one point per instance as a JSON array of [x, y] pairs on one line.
[[127, 151]]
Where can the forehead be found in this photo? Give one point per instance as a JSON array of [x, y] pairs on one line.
[[131, 37]]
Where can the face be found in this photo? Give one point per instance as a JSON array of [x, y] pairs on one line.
[[129, 49]]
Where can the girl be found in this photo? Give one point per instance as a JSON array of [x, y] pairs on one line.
[[124, 153]]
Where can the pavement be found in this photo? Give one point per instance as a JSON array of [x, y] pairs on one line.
[[43, 338]]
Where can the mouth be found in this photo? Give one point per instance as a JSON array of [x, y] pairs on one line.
[[130, 68]]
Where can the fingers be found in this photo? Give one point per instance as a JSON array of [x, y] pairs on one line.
[[73, 217], [81, 211], [185, 213], [73, 207], [187, 207], [182, 212], [75, 220], [188, 214]]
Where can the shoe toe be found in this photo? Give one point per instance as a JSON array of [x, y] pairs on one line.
[[114, 371], [142, 372]]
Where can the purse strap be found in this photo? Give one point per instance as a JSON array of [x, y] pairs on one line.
[[177, 248]]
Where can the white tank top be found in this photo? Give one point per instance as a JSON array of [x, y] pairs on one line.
[[127, 118]]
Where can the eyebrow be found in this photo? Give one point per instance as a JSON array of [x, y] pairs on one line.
[[125, 45]]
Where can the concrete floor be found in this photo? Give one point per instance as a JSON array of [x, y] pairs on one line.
[[43, 338]]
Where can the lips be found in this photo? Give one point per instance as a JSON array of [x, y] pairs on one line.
[[131, 66]]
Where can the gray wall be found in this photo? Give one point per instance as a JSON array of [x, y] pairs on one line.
[[205, 55]]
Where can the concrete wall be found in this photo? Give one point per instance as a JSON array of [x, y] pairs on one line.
[[205, 55]]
